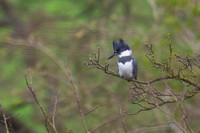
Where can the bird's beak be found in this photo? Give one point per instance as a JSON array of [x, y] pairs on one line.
[[114, 54]]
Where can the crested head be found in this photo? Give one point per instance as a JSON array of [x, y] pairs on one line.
[[121, 48]]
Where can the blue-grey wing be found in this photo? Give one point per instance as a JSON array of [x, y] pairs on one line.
[[135, 69]]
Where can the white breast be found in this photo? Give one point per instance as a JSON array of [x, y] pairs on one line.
[[125, 70]]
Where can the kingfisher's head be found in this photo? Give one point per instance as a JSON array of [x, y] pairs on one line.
[[120, 49]]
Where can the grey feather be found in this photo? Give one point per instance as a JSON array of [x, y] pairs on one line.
[[135, 69]]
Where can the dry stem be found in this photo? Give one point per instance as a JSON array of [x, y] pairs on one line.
[[38, 103], [4, 118]]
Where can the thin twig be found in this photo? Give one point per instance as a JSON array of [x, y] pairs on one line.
[[105, 123], [170, 89], [98, 54], [46, 125], [92, 110], [77, 98], [54, 109], [170, 49], [122, 117], [148, 127], [37, 101], [12, 117], [4, 118], [184, 114]]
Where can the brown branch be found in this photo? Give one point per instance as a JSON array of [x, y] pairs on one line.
[[94, 64]]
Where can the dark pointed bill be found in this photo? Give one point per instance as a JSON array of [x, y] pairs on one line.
[[114, 54]]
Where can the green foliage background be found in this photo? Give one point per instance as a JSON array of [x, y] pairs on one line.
[[72, 30]]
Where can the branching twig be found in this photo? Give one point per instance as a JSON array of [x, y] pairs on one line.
[[64, 68]]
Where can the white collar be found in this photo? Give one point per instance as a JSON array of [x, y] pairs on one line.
[[125, 53]]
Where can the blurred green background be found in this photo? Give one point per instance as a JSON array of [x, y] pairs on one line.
[[71, 31]]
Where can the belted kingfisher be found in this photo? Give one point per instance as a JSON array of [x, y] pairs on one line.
[[127, 65]]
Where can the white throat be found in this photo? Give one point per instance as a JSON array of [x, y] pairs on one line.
[[125, 53]]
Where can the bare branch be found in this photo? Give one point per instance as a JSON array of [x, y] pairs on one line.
[[141, 92]]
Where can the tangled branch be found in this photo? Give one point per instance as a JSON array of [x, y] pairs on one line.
[[146, 94]]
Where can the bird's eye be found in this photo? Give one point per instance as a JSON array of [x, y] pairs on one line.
[[116, 51]]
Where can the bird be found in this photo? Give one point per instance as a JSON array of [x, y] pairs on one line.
[[127, 65]]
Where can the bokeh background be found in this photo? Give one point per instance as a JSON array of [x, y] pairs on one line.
[[69, 31]]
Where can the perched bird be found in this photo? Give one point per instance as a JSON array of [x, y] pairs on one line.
[[127, 65]]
